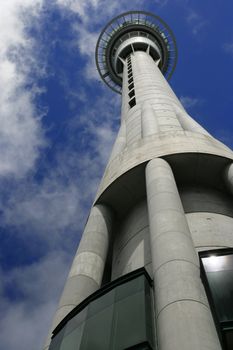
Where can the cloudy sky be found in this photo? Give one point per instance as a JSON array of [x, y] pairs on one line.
[[57, 125]]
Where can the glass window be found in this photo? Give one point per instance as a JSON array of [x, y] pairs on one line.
[[130, 328], [130, 80], [56, 341], [131, 93], [72, 340], [76, 321], [101, 303], [132, 102], [118, 317], [218, 280], [131, 287], [131, 86], [97, 332]]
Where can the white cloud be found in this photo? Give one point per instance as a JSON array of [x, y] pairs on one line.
[[98, 13], [21, 136], [55, 211], [47, 210], [24, 322]]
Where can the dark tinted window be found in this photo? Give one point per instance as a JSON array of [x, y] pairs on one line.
[[119, 319], [218, 270]]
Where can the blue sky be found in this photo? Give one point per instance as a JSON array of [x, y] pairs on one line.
[[58, 122]]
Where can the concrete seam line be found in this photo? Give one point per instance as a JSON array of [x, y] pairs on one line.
[[161, 193], [213, 245], [81, 274], [169, 261], [60, 307], [169, 209], [93, 231], [188, 235], [181, 300], [87, 251]]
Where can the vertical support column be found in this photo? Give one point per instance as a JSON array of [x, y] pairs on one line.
[[183, 317], [228, 177], [86, 272]]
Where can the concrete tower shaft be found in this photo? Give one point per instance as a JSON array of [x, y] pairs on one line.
[[165, 197]]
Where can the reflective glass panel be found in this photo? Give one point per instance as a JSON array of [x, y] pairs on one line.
[[219, 273], [57, 340], [73, 340], [129, 326], [131, 287], [120, 318], [101, 303], [97, 331]]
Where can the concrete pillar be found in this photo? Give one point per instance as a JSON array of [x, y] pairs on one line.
[[228, 176], [86, 272], [149, 120], [183, 317]]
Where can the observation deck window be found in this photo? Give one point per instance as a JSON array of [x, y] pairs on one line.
[[131, 86], [132, 102], [131, 93]]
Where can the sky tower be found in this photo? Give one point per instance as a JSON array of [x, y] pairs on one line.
[[154, 267]]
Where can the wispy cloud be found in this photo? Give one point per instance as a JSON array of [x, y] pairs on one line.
[[94, 13], [228, 48], [196, 22], [30, 315], [21, 135], [225, 136], [161, 2], [190, 102]]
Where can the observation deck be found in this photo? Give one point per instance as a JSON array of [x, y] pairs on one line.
[[129, 32]]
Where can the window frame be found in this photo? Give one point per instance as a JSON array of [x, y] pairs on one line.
[[221, 327]]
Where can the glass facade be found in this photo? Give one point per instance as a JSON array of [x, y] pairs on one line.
[[118, 318], [218, 279]]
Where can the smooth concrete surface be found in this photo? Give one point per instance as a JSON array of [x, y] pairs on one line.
[[160, 145], [189, 327], [86, 272], [210, 230], [131, 249], [149, 120], [206, 199], [175, 268]]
